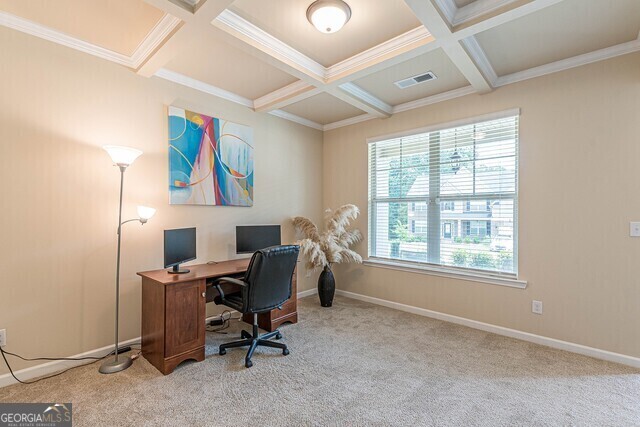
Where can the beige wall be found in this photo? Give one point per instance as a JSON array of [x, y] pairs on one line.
[[60, 192], [579, 187]]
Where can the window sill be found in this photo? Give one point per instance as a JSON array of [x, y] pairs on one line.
[[446, 272]]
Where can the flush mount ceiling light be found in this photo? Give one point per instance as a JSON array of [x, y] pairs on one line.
[[328, 16]]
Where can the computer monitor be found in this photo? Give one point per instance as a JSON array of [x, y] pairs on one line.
[[179, 247], [251, 238]]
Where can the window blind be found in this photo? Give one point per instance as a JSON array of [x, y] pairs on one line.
[[447, 197]]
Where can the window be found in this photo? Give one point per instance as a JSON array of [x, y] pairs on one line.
[[447, 197], [477, 228], [478, 206], [448, 206]]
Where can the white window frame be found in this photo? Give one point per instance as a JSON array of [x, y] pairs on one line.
[[497, 278]]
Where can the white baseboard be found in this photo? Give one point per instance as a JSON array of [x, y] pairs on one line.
[[307, 293], [59, 365], [513, 333]]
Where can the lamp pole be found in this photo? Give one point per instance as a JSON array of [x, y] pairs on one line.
[[110, 367]]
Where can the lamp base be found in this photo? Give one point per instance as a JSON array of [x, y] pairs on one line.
[[113, 366]]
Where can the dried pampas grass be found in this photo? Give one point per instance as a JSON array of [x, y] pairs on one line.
[[331, 246]]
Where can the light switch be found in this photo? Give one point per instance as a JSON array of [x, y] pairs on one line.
[[634, 229]]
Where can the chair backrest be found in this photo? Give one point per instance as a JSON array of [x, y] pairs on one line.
[[269, 277]]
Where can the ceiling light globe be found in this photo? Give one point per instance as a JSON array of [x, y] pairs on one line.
[[328, 16], [122, 156]]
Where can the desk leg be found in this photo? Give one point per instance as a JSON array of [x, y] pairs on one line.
[[171, 363]]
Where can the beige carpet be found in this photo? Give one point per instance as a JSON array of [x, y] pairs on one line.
[[358, 364]]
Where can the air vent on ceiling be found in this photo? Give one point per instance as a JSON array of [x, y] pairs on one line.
[[421, 78]]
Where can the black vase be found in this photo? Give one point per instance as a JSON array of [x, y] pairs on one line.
[[326, 287]]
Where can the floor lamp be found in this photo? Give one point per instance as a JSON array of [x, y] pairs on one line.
[[122, 157]]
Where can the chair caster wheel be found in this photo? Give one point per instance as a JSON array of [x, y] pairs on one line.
[[222, 352], [278, 336], [285, 351], [248, 364]]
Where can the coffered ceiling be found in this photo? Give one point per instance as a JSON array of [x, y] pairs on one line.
[[266, 56]]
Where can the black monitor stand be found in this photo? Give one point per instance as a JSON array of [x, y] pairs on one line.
[[177, 270]]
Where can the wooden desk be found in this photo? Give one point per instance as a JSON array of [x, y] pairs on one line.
[[174, 311]]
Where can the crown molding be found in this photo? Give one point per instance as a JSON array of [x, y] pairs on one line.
[[448, 9], [480, 58], [476, 9], [154, 39], [183, 80], [29, 27], [434, 99], [242, 26], [566, 64], [366, 97], [379, 52], [296, 119]]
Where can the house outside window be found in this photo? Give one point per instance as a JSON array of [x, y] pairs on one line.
[[425, 209], [448, 206]]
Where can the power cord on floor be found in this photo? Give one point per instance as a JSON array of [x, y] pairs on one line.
[[226, 319], [94, 358]]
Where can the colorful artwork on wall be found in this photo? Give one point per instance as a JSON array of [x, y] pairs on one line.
[[210, 160]]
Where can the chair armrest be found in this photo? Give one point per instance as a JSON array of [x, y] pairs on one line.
[[217, 282], [221, 280]]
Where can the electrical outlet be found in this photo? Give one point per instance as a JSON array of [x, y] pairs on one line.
[[634, 229], [536, 307], [3, 337]]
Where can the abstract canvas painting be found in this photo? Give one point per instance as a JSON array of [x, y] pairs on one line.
[[210, 160]]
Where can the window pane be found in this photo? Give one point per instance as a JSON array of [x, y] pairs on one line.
[[400, 231], [399, 168], [478, 238]]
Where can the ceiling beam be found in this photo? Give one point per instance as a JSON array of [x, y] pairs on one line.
[[401, 48], [184, 34], [437, 23], [476, 53], [290, 94], [286, 58], [175, 8], [355, 95], [480, 8]]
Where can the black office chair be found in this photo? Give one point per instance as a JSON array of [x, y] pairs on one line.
[[266, 285]]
